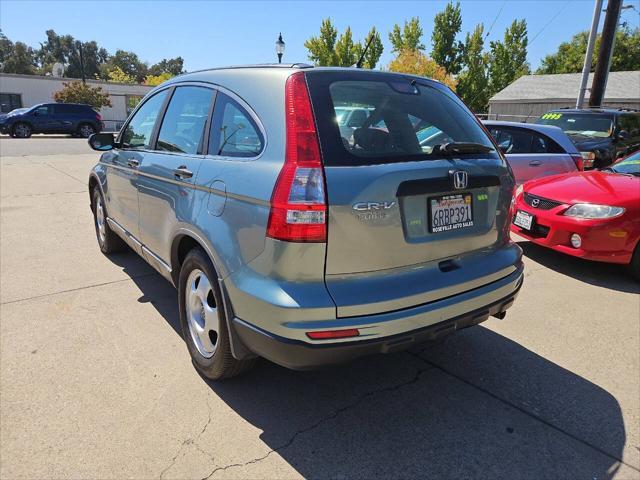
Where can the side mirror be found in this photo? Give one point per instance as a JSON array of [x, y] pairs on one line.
[[102, 141], [36, 113], [622, 135]]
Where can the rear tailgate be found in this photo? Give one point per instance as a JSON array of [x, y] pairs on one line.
[[401, 231]]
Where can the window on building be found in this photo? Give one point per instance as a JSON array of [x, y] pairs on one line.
[[10, 101]]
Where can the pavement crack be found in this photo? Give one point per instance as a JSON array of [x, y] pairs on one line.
[[41, 194], [132, 277], [521, 409], [65, 173], [323, 420], [190, 441]]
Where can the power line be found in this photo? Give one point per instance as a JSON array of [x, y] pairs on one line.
[[496, 18], [550, 20]]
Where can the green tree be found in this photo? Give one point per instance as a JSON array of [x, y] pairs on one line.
[[415, 62], [128, 62], [508, 58], [446, 51], [569, 58], [117, 75], [373, 54], [93, 56], [18, 58], [173, 66], [345, 51], [78, 92], [66, 50], [322, 48], [473, 81], [155, 80], [408, 38], [6, 48], [328, 49]]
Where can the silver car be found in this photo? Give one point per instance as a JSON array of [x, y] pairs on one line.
[[289, 241], [535, 151]]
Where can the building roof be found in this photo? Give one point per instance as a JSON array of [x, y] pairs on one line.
[[621, 86]]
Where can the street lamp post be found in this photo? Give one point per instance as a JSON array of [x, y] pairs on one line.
[[279, 48]]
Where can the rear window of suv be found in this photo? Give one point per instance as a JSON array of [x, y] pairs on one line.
[[374, 118]]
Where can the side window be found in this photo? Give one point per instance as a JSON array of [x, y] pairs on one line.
[[233, 131], [630, 123], [183, 125], [137, 133], [520, 142], [42, 111], [62, 109]]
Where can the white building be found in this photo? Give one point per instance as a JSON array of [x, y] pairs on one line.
[[532, 95], [27, 90]]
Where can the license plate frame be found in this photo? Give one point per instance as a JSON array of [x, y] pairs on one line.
[[467, 199], [526, 223]]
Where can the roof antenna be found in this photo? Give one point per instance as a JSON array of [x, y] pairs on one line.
[[359, 64]]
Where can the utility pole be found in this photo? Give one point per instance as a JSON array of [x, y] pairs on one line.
[[604, 54], [589, 55], [84, 80]]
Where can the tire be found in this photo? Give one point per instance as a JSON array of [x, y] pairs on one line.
[[85, 130], [203, 319], [108, 240], [634, 266], [22, 130]]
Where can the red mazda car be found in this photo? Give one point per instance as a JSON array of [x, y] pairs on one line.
[[593, 215]]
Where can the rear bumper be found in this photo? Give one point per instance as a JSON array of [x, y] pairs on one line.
[[300, 355]]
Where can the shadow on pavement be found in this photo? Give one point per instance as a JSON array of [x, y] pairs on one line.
[[477, 405], [607, 275]]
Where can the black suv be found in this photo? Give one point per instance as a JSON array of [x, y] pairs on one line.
[[73, 118], [601, 134]]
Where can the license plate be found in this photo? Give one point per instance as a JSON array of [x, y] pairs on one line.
[[450, 212], [523, 220]]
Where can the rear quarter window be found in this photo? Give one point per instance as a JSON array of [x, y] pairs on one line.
[[368, 118]]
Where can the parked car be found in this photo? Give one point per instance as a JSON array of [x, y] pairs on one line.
[[594, 215], [286, 240], [601, 134], [535, 151], [71, 118]]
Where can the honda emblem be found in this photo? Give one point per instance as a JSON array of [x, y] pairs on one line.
[[460, 179]]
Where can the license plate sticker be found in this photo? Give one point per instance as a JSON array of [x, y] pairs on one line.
[[523, 220], [450, 212]]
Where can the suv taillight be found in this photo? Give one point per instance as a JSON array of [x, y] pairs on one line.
[[579, 161], [98, 117], [298, 204]]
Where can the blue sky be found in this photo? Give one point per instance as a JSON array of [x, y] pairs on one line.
[[217, 33]]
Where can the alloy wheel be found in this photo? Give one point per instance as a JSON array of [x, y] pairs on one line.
[[202, 313], [100, 220]]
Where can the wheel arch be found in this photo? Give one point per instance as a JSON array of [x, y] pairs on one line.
[[183, 242], [26, 122]]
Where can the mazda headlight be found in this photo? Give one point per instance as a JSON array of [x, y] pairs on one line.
[[587, 210]]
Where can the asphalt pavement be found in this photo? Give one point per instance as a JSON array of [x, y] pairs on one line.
[[95, 380]]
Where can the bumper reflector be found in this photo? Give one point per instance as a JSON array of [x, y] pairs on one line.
[[329, 334]]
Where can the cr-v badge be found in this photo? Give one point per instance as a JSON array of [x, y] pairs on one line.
[[372, 210]]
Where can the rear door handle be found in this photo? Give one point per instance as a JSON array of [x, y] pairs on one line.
[[133, 163], [183, 172], [535, 163]]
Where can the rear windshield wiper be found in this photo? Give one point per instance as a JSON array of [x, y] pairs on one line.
[[462, 147]]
